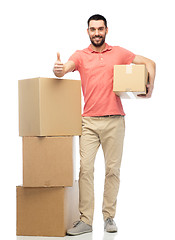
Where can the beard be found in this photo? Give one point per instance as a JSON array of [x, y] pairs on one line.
[[100, 42]]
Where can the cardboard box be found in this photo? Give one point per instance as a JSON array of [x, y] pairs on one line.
[[49, 107], [130, 80], [46, 211], [48, 161]]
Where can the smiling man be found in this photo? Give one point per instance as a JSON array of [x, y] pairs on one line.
[[102, 119], [97, 32]]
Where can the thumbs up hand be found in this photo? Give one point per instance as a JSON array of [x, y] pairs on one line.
[[58, 67]]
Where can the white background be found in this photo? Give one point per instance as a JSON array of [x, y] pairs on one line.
[[32, 31]]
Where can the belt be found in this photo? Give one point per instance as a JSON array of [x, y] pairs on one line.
[[108, 116]]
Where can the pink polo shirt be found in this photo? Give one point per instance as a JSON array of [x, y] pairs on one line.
[[96, 71]]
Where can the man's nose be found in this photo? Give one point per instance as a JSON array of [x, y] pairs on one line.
[[96, 32]]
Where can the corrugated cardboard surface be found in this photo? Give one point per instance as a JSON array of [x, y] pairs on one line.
[[49, 107], [29, 112], [130, 79], [43, 211], [48, 161]]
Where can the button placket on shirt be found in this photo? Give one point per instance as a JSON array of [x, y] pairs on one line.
[[101, 58]]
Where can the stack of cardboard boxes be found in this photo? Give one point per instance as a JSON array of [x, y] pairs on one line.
[[49, 118]]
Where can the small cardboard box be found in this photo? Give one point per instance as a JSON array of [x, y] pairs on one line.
[[48, 161], [130, 80], [46, 211], [49, 107]]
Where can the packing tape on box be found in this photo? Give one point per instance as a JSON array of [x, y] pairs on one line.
[[128, 69], [131, 95]]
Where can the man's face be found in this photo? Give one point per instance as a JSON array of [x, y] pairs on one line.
[[97, 32]]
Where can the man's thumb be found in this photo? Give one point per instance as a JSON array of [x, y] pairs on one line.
[[58, 56]]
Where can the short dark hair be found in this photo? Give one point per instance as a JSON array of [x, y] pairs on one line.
[[97, 17]]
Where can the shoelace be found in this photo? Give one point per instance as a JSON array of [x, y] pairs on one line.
[[110, 221], [76, 223]]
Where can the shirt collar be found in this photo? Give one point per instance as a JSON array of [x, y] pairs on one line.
[[107, 48]]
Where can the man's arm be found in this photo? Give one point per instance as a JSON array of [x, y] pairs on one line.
[[151, 67], [61, 69]]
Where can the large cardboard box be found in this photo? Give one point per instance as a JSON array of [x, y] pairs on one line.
[[48, 161], [49, 107], [46, 211], [130, 80]]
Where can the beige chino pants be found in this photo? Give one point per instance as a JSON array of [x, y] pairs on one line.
[[109, 132]]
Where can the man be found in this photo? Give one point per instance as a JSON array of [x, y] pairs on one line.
[[102, 119]]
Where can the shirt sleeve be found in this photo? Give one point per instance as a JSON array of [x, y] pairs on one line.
[[75, 57], [127, 56]]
